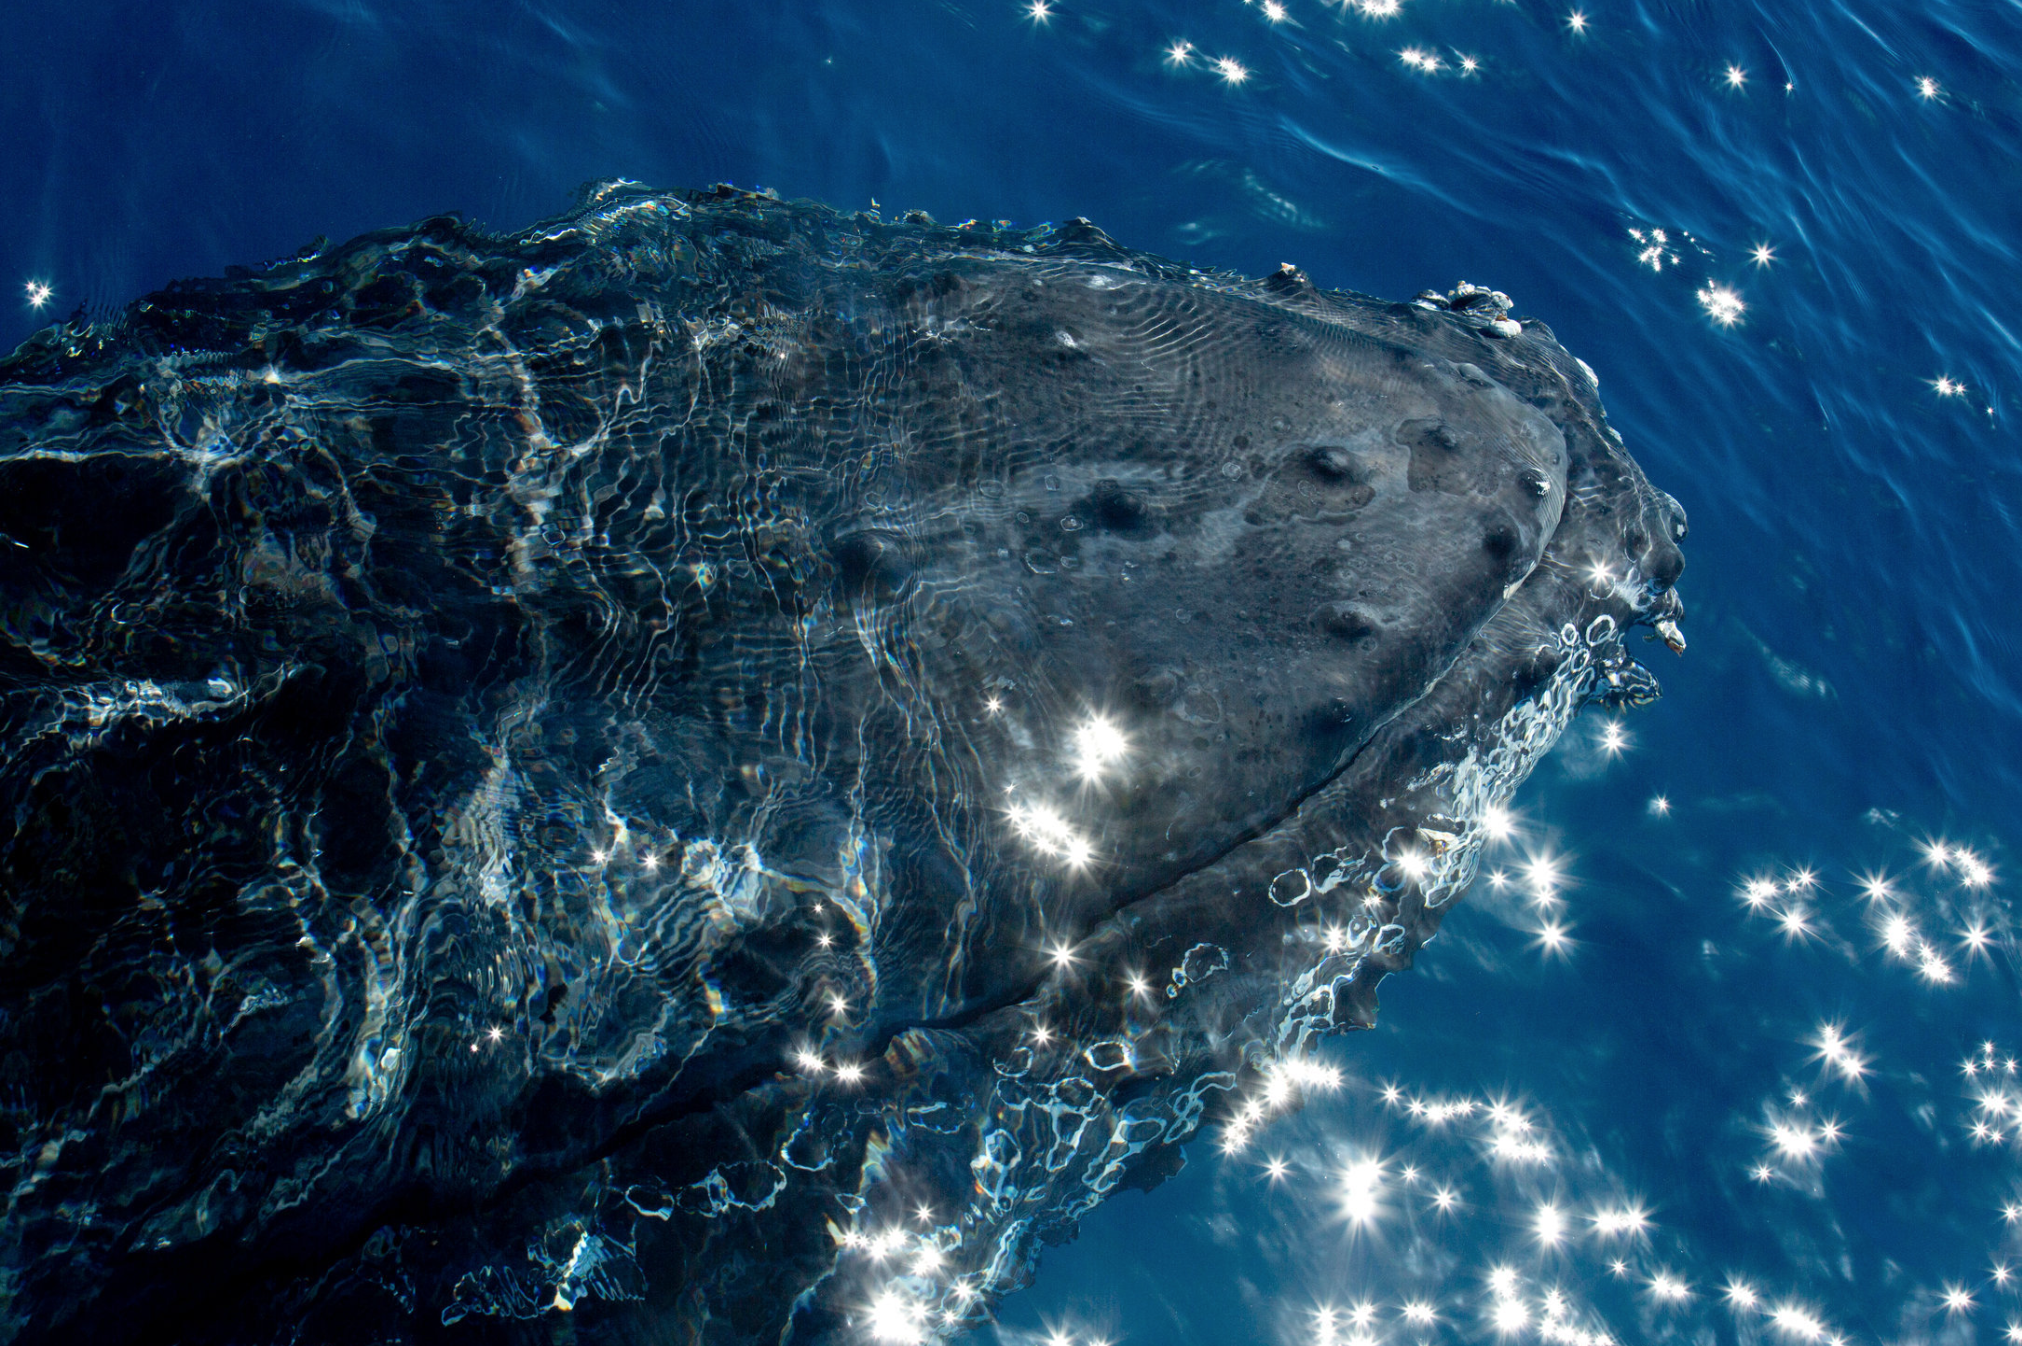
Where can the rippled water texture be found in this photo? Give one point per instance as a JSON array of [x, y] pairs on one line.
[[1718, 1045]]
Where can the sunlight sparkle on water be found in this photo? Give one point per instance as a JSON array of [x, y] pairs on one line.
[[1551, 1225], [1231, 70], [895, 1317], [1098, 744], [1932, 967], [1735, 77], [1621, 1220], [1722, 303], [1797, 1321], [1048, 833], [1541, 873], [1652, 249], [1762, 254], [1361, 1190], [1667, 1287], [39, 293], [1540, 1195], [1834, 1048]]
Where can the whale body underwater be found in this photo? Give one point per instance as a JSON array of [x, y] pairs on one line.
[[718, 770]]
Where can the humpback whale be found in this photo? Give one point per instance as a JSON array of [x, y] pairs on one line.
[[719, 770]]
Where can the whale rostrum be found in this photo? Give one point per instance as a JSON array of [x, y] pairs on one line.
[[718, 770]]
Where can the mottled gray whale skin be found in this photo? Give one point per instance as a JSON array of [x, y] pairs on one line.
[[715, 770]]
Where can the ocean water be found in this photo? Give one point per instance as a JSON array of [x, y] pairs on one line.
[[1722, 1045]]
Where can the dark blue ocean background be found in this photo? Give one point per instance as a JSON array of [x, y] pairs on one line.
[[1779, 1086]]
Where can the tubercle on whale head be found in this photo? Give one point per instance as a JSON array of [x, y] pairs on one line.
[[1649, 537], [1639, 562], [1671, 607], [1662, 608]]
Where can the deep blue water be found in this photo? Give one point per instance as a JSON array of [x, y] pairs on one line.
[[1846, 450]]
